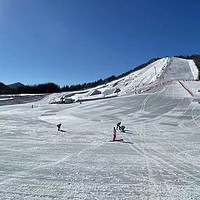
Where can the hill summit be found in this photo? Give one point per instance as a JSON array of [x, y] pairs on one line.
[[16, 85]]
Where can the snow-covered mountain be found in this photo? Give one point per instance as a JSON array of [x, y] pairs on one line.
[[164, 71]]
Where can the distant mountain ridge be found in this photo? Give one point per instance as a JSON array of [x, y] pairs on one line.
[[16, 85], [4, 89], [9, 89]]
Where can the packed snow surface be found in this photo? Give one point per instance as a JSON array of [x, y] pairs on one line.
[[159, 157]]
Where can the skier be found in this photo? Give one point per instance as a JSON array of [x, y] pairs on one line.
[[114, 133], [122, 128], [59, 126], [118, 125], [62, 100]]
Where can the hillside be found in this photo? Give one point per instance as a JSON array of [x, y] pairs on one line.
[[4, 89], [195, 58], [159, 73]]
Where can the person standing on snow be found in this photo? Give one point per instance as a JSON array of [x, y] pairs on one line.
[[118, 125], [114, 133], [59, 126]]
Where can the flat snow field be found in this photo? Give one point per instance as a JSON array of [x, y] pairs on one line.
[[159, 157]]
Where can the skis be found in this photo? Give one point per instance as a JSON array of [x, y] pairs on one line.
[[116, 140]]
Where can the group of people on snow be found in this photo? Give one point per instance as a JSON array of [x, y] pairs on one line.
[[119, 127]]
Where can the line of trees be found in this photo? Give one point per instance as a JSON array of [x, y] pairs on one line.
[[52, 87], [37, 89], [87, 85]]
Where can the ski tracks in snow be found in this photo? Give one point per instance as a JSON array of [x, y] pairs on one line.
[[171, 168], [142, 149]]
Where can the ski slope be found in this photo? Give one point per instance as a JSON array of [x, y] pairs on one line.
[[159, 157], [161, 72]]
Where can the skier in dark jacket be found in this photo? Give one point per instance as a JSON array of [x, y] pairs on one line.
[[59, 126], [118, 125]]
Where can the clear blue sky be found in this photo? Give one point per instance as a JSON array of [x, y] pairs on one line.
[[76, 41]]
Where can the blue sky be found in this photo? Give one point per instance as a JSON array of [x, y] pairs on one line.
[[76, 41]]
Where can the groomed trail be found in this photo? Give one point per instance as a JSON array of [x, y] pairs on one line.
[[157, 159]]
